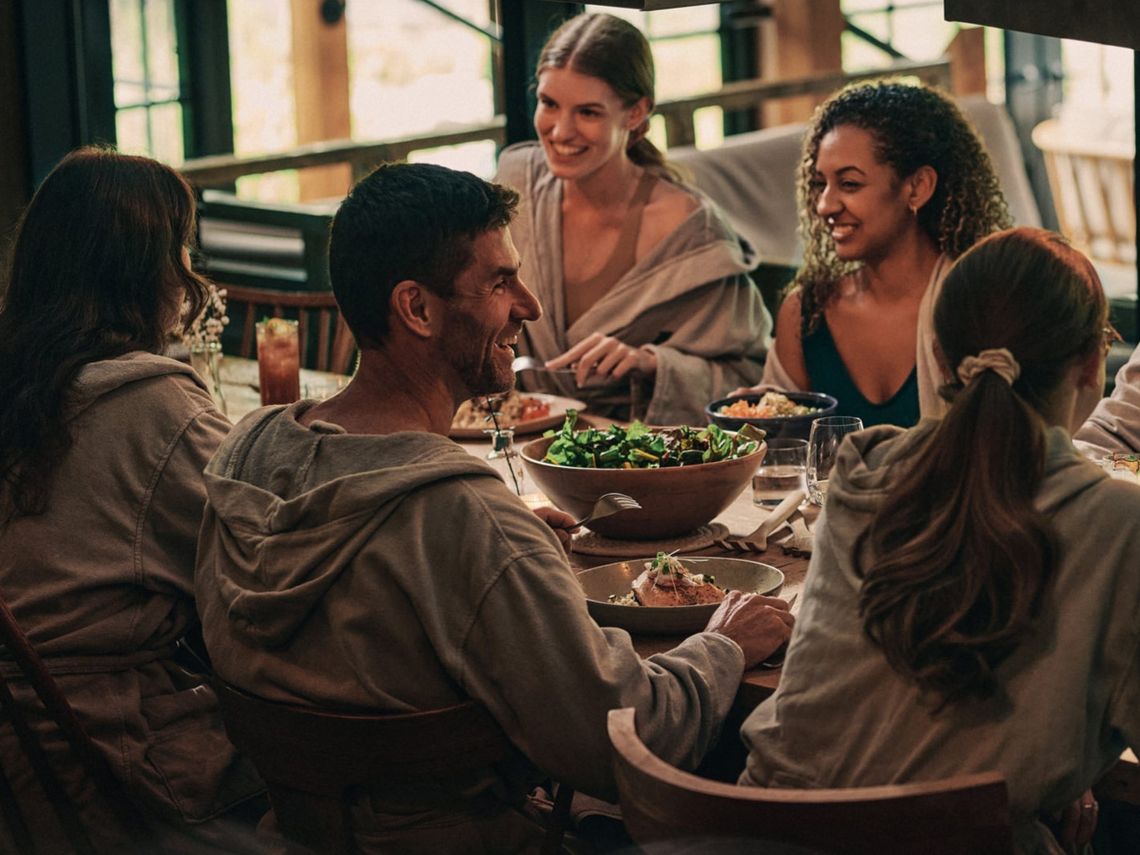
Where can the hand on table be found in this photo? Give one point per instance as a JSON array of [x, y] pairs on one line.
[[757, 623], [598, 359], [560, 522]]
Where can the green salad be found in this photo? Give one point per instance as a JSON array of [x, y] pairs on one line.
[[640, 447]]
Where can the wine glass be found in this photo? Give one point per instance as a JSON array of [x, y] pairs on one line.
[[823, 446]]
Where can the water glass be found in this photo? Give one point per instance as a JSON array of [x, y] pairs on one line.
[[823, 446], [783, 470], [278, 361]]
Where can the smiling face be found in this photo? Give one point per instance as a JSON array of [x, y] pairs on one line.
[[863, 202], [582, 123], [484, 316]]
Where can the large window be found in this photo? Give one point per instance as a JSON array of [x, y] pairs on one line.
[[148, 90], [687, 56]]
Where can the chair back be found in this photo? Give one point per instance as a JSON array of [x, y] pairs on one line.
[[309, 758], [84, 755], [325, 340], [660, 802], [1091, 182]]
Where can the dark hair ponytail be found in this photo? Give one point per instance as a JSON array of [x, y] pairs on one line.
[[957, 558]]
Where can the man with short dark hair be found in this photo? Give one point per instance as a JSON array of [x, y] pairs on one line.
[[354, 558]]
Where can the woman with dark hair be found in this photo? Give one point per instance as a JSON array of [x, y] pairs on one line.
[[637, 273], [893, 185], [102, 446], [972, 602]]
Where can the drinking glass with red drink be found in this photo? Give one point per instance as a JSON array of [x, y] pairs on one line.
[[278, 361]]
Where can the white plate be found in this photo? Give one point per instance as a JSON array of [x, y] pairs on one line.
[[739, 574], [558, 407]]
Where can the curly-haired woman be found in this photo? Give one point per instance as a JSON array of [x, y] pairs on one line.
[[102, 446], [975, 585], [893, 185]]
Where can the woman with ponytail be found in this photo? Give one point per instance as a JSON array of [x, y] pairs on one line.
[[637, 273], [972, 602]]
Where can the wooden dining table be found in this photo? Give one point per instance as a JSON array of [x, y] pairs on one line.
[[240, 389]]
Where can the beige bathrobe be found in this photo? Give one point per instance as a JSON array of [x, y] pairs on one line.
[[396, 573], [1070, 698], [930, 404], [102, 584], [690, 300], [1115, 423]]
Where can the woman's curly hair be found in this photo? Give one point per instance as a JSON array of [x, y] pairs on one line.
[[913, 126]]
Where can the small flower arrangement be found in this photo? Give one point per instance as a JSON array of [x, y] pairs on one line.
[[207, 327]]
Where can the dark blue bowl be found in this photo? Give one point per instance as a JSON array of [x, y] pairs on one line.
[[788, 427]]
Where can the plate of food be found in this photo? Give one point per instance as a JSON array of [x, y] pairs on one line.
[[1123, 464], [670, 595], [526, 412], [781, 415]]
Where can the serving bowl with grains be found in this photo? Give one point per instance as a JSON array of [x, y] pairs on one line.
[[781, 415], [681, 476]]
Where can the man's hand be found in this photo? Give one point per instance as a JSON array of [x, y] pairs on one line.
[[1077, 822], [560, 522], [757, 623], [598, 359]]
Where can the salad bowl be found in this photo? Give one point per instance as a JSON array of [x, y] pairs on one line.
[[674, 500]]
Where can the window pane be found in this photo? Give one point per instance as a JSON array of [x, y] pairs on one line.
[[162, 51], [166, 133], [687, 66], [476, 157], [261, 80], [130, 131], [126, 52], [413, 69]]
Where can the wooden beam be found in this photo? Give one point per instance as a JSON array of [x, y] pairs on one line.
[[801, 38], [320, 86], [967, 53]]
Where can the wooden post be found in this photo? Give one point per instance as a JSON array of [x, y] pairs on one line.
[[967, 55], [320, 86], [802, 37]]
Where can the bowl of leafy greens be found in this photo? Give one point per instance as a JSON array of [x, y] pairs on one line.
[[681, 476]]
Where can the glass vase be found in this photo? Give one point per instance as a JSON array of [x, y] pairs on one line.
[[206, 359]]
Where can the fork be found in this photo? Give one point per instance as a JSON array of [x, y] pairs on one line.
[[529, 363], [609, 503]]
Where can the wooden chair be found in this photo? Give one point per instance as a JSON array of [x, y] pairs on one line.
[[326, 343], [660, 802], [86, 756], [309, 758], [1091, 181]]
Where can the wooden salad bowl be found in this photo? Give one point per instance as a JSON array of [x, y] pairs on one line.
[[674, 501]]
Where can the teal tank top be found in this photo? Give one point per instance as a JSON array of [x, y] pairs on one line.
[[828, 374]]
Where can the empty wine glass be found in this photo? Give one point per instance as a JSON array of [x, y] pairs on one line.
[[823, 446]]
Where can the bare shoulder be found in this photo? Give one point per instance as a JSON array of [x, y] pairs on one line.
[[789, 342], [669, 205]]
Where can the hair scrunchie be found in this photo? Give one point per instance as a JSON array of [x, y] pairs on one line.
[[998, 360]]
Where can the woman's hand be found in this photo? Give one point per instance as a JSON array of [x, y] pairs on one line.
[[560, 522], [758, 389], [599, 359]]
